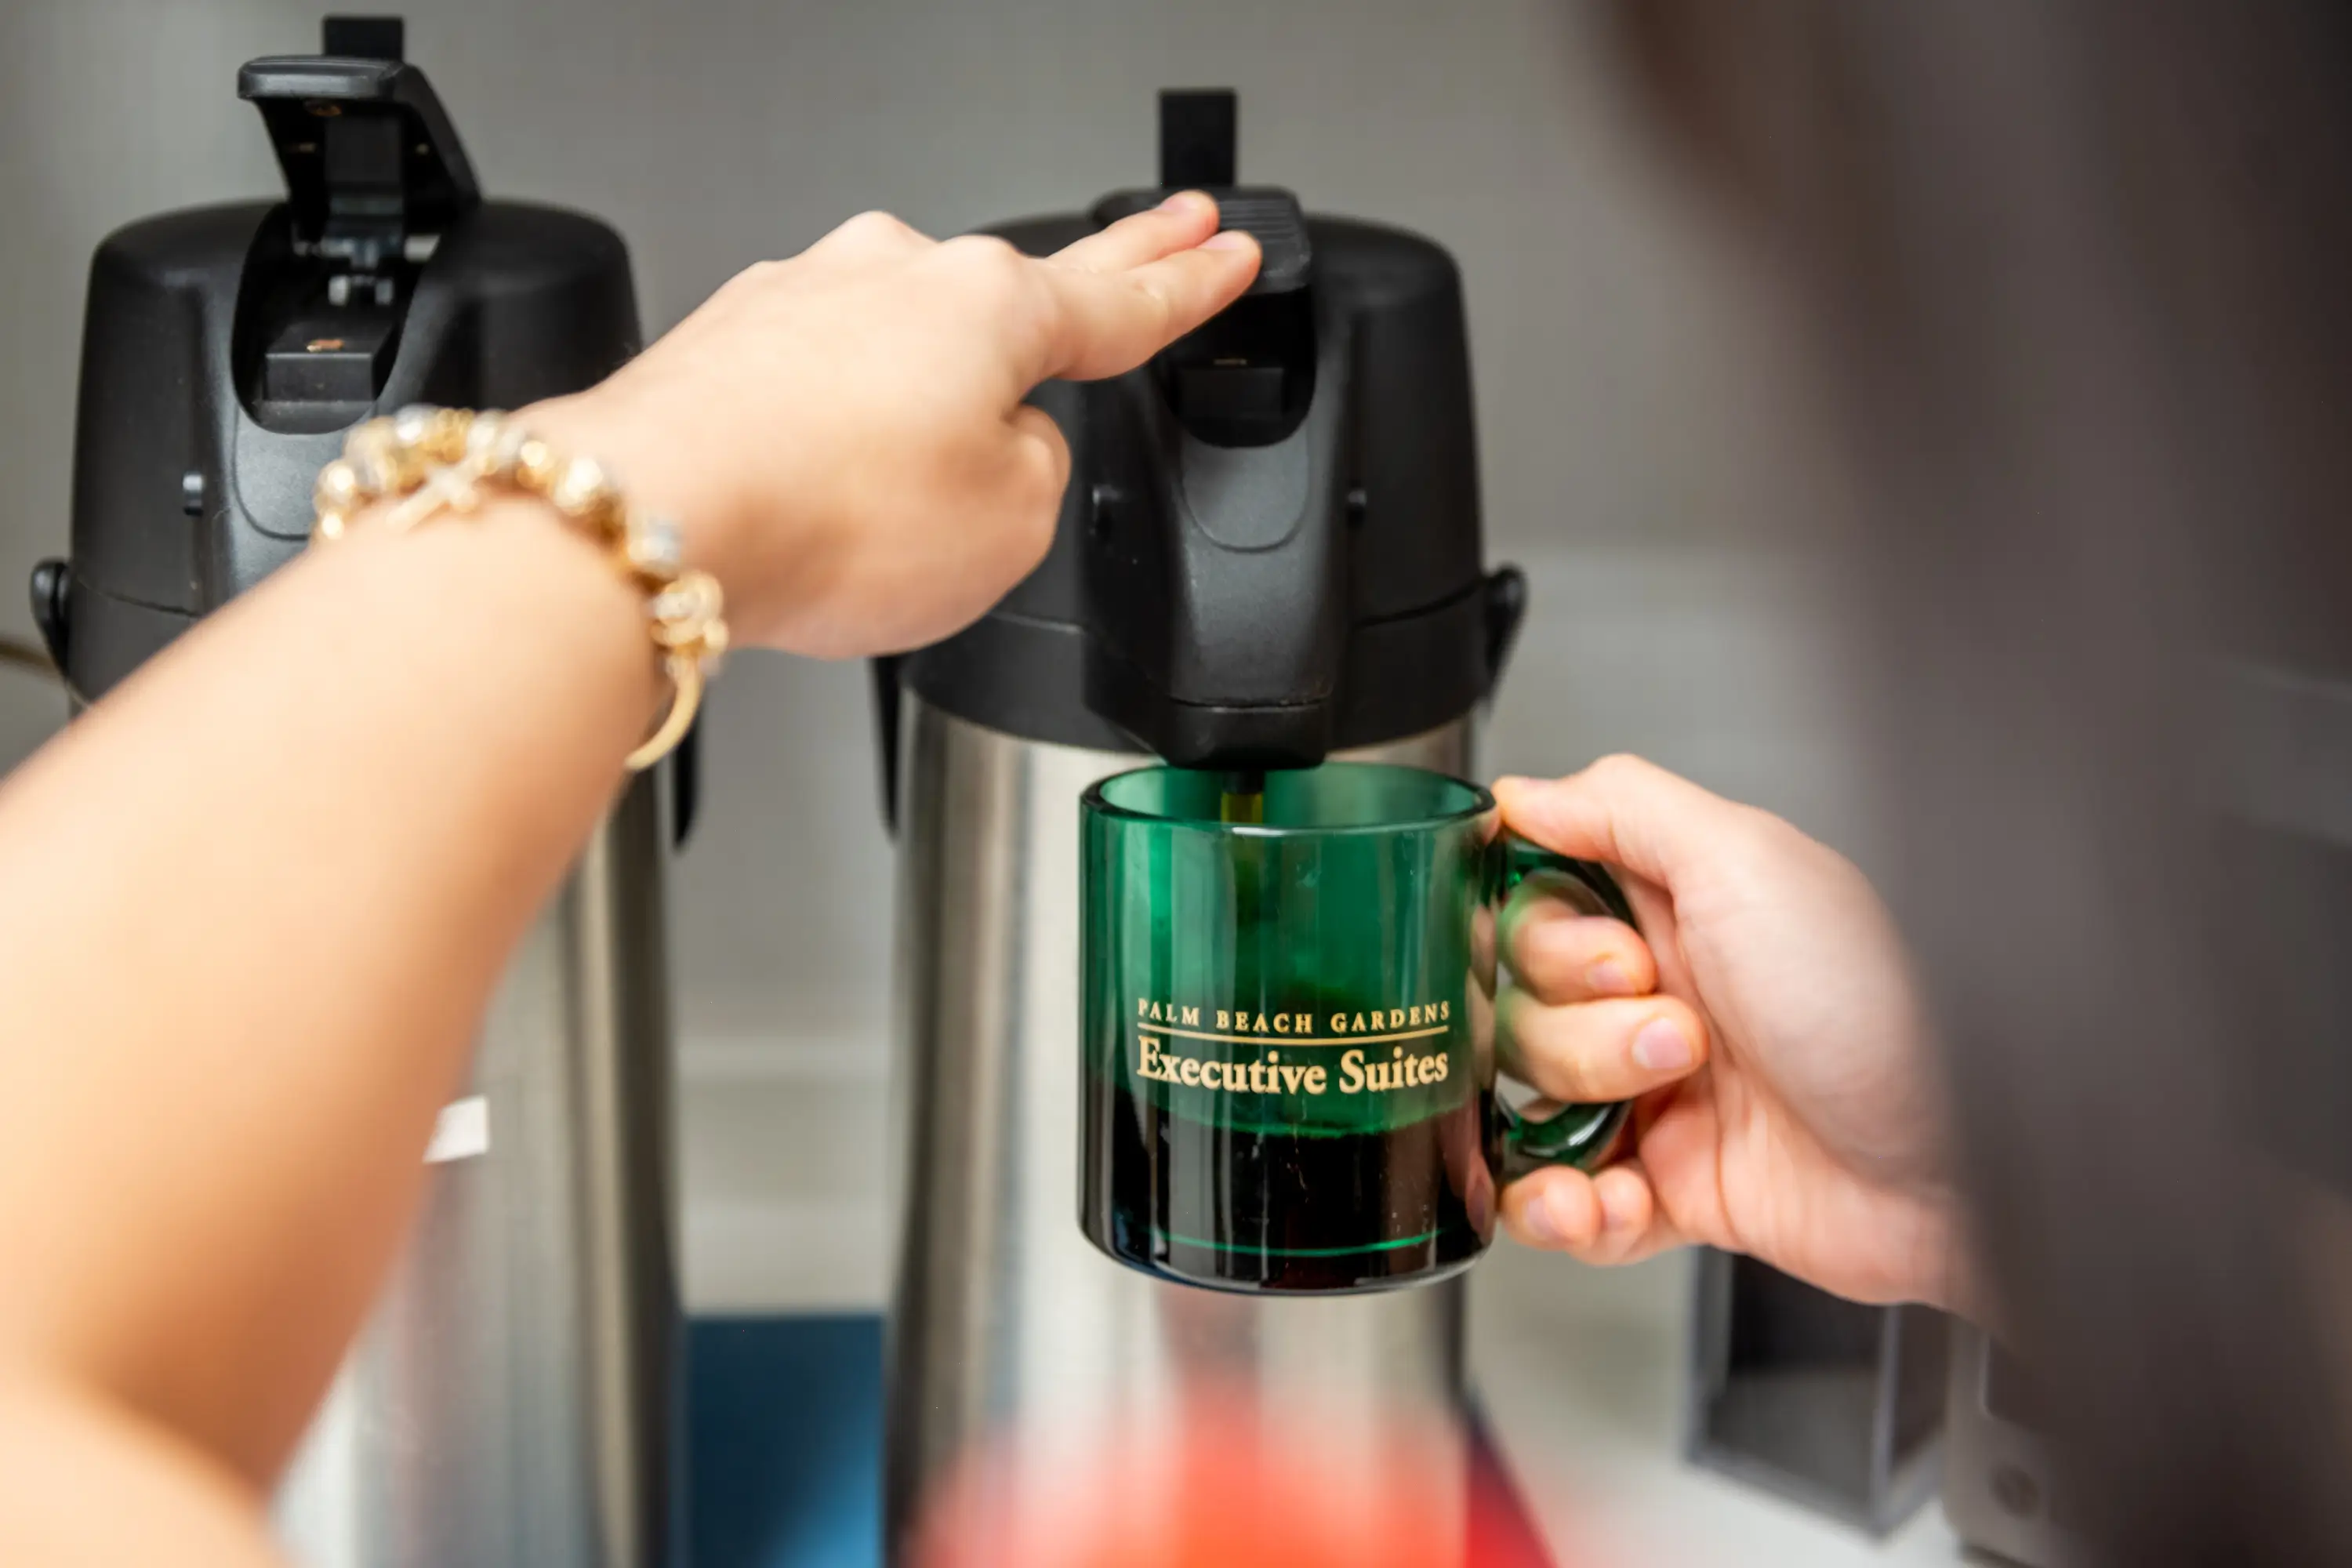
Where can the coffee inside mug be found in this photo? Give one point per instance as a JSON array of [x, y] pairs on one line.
[[1289, 1025]]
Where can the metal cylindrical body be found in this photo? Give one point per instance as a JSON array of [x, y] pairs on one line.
[[512, 1399], [1005, 1322]]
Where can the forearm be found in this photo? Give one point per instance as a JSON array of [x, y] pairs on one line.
[[358, 785], [83, 1480]]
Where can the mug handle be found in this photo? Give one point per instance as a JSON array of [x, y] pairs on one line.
[[1582, 1136]]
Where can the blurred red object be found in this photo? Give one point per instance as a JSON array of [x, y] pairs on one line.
[[1220, 1483]]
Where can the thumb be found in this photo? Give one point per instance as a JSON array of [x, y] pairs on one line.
[[1623, 812]]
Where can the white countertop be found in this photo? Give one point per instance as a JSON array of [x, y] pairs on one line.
[[1582, 1374]]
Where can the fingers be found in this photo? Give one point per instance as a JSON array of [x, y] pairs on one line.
[[1043, 451], [1103, 323], [1586, 1052], [1180, 223], [1623, 812], [1609, 1219], [1103, 305], [1564, 956]]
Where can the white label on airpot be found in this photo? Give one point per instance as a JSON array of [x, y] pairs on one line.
[[462, 1132]]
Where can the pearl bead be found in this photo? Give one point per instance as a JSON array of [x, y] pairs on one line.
[[339, 485], [581, 489], [656, 547]]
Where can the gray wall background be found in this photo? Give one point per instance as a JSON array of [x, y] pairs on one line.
[[1645, 454]]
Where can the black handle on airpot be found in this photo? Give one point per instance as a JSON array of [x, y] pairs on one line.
[[1220, 603]]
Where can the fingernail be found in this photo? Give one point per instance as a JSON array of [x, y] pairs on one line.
[[1181, 200], [1543, 1224], [1229, 239], [1613, 1215], [1659, 1046], [1608, 978]]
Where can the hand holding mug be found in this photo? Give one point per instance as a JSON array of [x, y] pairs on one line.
[[1764, 1019]]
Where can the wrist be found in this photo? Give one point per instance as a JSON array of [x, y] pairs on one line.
[[663, 474], [400, 471], [515, 564]]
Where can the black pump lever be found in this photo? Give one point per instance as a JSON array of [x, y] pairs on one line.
[[1198, 152], [370, 157], [1227, 611]]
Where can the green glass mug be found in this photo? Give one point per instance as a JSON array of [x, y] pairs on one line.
[[1287, 1026]]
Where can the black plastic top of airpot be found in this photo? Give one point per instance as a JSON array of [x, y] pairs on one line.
[[1270, 547], [227, 349]]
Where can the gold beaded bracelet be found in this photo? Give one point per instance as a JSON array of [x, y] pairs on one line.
[[435, 460]]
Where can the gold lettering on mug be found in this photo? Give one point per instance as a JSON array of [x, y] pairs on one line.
[[1418, 1055]]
